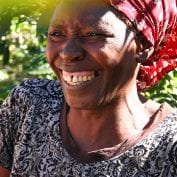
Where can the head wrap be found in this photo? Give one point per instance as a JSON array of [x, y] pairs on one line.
[[157, 21]]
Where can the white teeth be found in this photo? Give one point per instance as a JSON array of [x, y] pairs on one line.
[[69, 79], [80, 78], [85, 78], [90, 78], [77, 80]]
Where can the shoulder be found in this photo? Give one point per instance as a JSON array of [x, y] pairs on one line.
[[170, 141], [29, 116], [163, 137], [36, 89], [167, 133], [42, 87], [42, 94], [32, 100], [167, 129], [170, 122]]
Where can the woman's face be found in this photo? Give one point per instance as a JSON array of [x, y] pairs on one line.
[[92, 52]]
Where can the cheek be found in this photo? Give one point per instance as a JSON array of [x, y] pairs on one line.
[[110, 55], [51, 53], [106, 54], [116, 42]]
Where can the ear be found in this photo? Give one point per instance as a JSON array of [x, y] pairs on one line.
[[142, 56]]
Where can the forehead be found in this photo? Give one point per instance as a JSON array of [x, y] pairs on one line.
[[85, 12]]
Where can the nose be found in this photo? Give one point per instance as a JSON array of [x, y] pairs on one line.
[[72, 51]]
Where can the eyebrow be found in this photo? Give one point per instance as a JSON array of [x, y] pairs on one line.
[[86, 28], [83, 25], [56, 25]]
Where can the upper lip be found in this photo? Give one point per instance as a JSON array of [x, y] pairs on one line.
[[78, 66], [73, 69]]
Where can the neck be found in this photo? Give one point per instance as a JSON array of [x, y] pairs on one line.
[[108, 125]]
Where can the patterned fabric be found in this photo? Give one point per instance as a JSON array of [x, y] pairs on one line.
[[30, 128], [157, 21]]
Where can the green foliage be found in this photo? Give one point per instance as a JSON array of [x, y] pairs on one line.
[[165, 90], [26, 46]]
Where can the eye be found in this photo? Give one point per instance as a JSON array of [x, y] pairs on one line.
[[97, 36], [56, 36], [94, 35]]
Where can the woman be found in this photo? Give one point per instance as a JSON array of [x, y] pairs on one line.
[[101, 53]]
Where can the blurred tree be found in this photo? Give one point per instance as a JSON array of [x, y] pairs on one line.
[[23, 26]]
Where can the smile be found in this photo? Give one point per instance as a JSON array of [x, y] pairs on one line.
[[78, 78]]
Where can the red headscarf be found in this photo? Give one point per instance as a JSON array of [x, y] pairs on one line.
[[157, 21]]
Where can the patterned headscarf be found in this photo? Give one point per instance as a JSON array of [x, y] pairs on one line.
[[157, 21]]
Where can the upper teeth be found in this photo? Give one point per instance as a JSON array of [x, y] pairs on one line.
[[77, 80]]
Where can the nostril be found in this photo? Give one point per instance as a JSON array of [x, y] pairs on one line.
[[71, 55], [79, 57]]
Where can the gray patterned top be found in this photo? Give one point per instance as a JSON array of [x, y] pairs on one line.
[[31, 143]]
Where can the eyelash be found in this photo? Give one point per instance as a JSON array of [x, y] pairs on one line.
[[55, 36], [92, 34]]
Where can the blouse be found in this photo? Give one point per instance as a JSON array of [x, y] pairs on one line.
[[33, 141]]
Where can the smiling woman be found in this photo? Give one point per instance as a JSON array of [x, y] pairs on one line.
[[93, 121]]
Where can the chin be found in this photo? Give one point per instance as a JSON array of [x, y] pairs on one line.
[[80, 104], [87, 104]]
